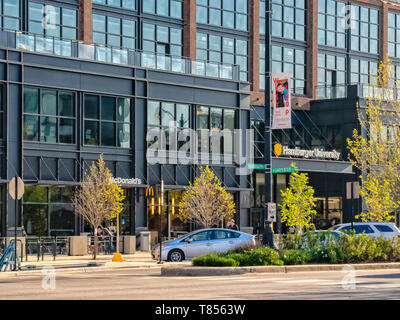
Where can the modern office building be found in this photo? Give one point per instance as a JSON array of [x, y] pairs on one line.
[[85, 77]]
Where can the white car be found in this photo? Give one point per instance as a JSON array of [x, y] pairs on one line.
[[372, 229]]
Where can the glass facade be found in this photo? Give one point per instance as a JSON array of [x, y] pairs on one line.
[[288, 19], [49, 115], [125, 4], [363, 71], [394, 35], [168, 8], [64, 25], [48, 211], [331, 28], [285, 59], [10, 15], [107, 121], [331, 73], [168, 118], [227, 50], [115, 32], [364, 31], [232, 14], [162, 40]]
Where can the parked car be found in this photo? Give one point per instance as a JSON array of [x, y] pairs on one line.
[[202, 242], [372, 229]]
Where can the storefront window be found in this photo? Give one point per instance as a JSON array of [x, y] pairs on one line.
[[47, 211]]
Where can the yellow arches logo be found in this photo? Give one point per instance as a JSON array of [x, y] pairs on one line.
[[150, 191], [278, 149]]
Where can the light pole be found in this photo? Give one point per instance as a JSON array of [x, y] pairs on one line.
[[160, 212], [268, 232]]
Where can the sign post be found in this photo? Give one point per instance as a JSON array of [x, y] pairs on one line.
[[16, 190], [160, 211], [352, 193]]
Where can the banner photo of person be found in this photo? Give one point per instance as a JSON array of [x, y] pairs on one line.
[[281, 102]]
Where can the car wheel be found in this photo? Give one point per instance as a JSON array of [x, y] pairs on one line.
[[176, 255]]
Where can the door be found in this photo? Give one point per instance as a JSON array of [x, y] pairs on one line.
[[201, 244], [224, 240]]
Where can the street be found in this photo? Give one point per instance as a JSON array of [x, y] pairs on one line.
[[138, 284]]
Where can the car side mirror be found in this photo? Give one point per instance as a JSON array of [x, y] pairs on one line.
[[188, 240]]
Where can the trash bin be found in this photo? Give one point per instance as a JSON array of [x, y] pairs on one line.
[[145, 244]]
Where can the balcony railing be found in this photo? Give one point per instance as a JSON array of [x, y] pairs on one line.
[[331, 92], [115, 55]]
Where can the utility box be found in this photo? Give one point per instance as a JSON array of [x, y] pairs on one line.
[[129, 244], [78, 245], [145, 241]]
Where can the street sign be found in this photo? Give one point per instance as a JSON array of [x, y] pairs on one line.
[[283, 170], [256, 166], [271, 212], [20, 187]]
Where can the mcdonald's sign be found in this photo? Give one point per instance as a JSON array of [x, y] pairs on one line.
[[149, 191]]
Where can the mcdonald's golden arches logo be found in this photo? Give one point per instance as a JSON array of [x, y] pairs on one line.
[[278, 149], [149, 191]]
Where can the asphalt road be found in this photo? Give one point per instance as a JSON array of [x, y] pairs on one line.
[[146, 284]]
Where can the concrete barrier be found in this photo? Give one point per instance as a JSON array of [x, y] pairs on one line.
[[129, 244], [78, 245]]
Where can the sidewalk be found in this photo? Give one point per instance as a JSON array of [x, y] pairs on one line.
[[86, 263]]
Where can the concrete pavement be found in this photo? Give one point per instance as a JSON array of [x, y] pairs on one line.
[[145, 284]]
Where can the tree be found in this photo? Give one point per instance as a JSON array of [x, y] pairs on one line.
[[98, 198], [298, 203], [206, 201], [375, 149]]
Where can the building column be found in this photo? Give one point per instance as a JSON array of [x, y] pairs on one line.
[[189, 29], [384, 16], [85, 21], [312, 48]]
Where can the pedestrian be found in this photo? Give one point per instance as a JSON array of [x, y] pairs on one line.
[[232, 225]]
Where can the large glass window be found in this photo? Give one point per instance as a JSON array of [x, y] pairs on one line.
[[331, 73], [10, 15], [107, 121], [331, 31], [259, 140], [162, 40], [394, 35], [64, 25], [286, 59], [125, 4], [210, 120], [169, 8], [114, 32], [363, 71], [170, 118], [231, 14], [49, 115], [48, 211], [364, 31], [288, 19], [215, 48]]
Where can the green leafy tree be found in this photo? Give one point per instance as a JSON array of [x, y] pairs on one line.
[[206, 201], [298, 203]]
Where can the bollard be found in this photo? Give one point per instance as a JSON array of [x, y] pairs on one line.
[[54, 248], [38, 250]]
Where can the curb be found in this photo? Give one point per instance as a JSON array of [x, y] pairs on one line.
[[38, 271], [223, 271]]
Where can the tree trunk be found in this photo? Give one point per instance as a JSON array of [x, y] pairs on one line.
[[95, 244]]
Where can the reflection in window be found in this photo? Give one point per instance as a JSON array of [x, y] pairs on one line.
[[331, 21], [49, 115], [169, 8], [107, 121]]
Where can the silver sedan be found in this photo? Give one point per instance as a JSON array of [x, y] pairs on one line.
[[201, 242]]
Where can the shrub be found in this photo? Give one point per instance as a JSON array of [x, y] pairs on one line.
[[214, 260], [295, 256], [324, 255]]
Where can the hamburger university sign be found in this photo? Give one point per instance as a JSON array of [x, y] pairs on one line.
[[301, 153]]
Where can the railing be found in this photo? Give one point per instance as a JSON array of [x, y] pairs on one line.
[[115, 55], [105, 244], [41, 246], [331, 92]]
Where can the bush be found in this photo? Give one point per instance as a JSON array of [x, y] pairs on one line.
[[214, 260], [295, 256]]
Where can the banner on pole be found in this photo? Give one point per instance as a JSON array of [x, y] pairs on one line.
[[281, 101]]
